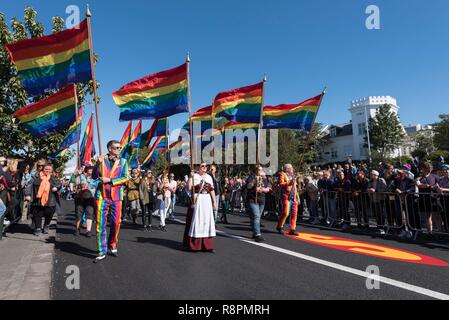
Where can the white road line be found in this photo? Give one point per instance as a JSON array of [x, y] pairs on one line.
[[363, 274]]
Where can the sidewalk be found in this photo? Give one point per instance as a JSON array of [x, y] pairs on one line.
[[26, 263]]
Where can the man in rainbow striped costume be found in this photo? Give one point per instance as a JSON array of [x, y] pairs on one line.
[[290, 199], [112, 171]]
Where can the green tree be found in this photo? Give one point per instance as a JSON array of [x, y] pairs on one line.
[[15, 141], [385, 132], [441, 129], [424, 145]]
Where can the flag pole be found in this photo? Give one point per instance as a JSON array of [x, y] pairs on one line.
[[306, 143], [92, 66], [192, 155], [167, 165], [264, 80], [77, 131]]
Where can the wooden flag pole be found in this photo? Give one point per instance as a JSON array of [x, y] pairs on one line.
[[77, 133], [258, 133], [92, 65], [306, 143], [192, 155]]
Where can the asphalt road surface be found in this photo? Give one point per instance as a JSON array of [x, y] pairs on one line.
[[152, 265]]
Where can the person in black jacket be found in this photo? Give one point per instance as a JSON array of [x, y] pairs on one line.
[[218, 190], [43, 197]]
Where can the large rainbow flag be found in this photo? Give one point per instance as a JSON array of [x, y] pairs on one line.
[[155, 96], [87, 149], [73, 133], [51, 115], [242, 105], [292, 116], [159, 147], [53, 61]]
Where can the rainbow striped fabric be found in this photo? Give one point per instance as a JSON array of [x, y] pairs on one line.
[[73, 133], [53, 61], [158, 128], [242, 105], [159, 147], [87, 148], [134, 146], [51, 115], [155, 96], [204, 117], [292, 116]]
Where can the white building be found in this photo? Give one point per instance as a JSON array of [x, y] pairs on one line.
[[348, 140]]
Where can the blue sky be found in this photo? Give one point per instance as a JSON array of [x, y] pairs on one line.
[[301, 45]]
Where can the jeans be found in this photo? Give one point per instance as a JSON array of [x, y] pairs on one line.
[[171, 210], [255, 212], [163, 212]]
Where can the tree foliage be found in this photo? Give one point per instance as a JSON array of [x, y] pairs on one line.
[[441, 129], [385, 132], [15, 142]]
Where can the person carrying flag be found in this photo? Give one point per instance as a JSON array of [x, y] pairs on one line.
[[289, 198], [112, 172]]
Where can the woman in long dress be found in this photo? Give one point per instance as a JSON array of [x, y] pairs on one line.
[[200, 225]]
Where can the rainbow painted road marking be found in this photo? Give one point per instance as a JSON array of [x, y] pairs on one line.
[[368, 249]]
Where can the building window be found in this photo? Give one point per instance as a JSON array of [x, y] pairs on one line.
[[363, 150], [333, 153], [362, 129], [348, 151], [333, 132]]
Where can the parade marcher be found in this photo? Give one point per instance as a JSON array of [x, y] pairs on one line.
[[217, 189], [165, 193], [85, 199], [148, 190], [290, 199], [133, 193], [226, 200], [43, 197], [112, 171], [173, 187], [26, 178], [313, 196], [199, 231], [256, 188]]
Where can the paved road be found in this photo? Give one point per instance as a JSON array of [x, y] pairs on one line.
[[153, 266]]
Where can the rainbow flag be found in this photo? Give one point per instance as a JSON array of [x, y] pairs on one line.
[[59, 153], [155, 96], [54, 61], [51, 115], [292, 116], [126, 135], [159, 147], [87, 148], [242, 105], [73, 133], [133, 145], [203, 115], [158, 128]]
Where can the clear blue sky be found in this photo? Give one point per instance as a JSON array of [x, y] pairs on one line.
[[301, 45]]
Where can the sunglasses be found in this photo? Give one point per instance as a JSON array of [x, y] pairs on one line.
[[203, 166]]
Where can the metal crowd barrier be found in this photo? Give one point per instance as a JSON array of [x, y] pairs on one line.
[[428, 213]]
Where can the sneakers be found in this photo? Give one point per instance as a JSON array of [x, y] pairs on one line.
[[99, 258], [280, 230], [293, 233], [46, 229], [113, 252], [259, 239], [37, 232]]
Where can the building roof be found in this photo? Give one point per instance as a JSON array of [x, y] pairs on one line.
[[344, 129]]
